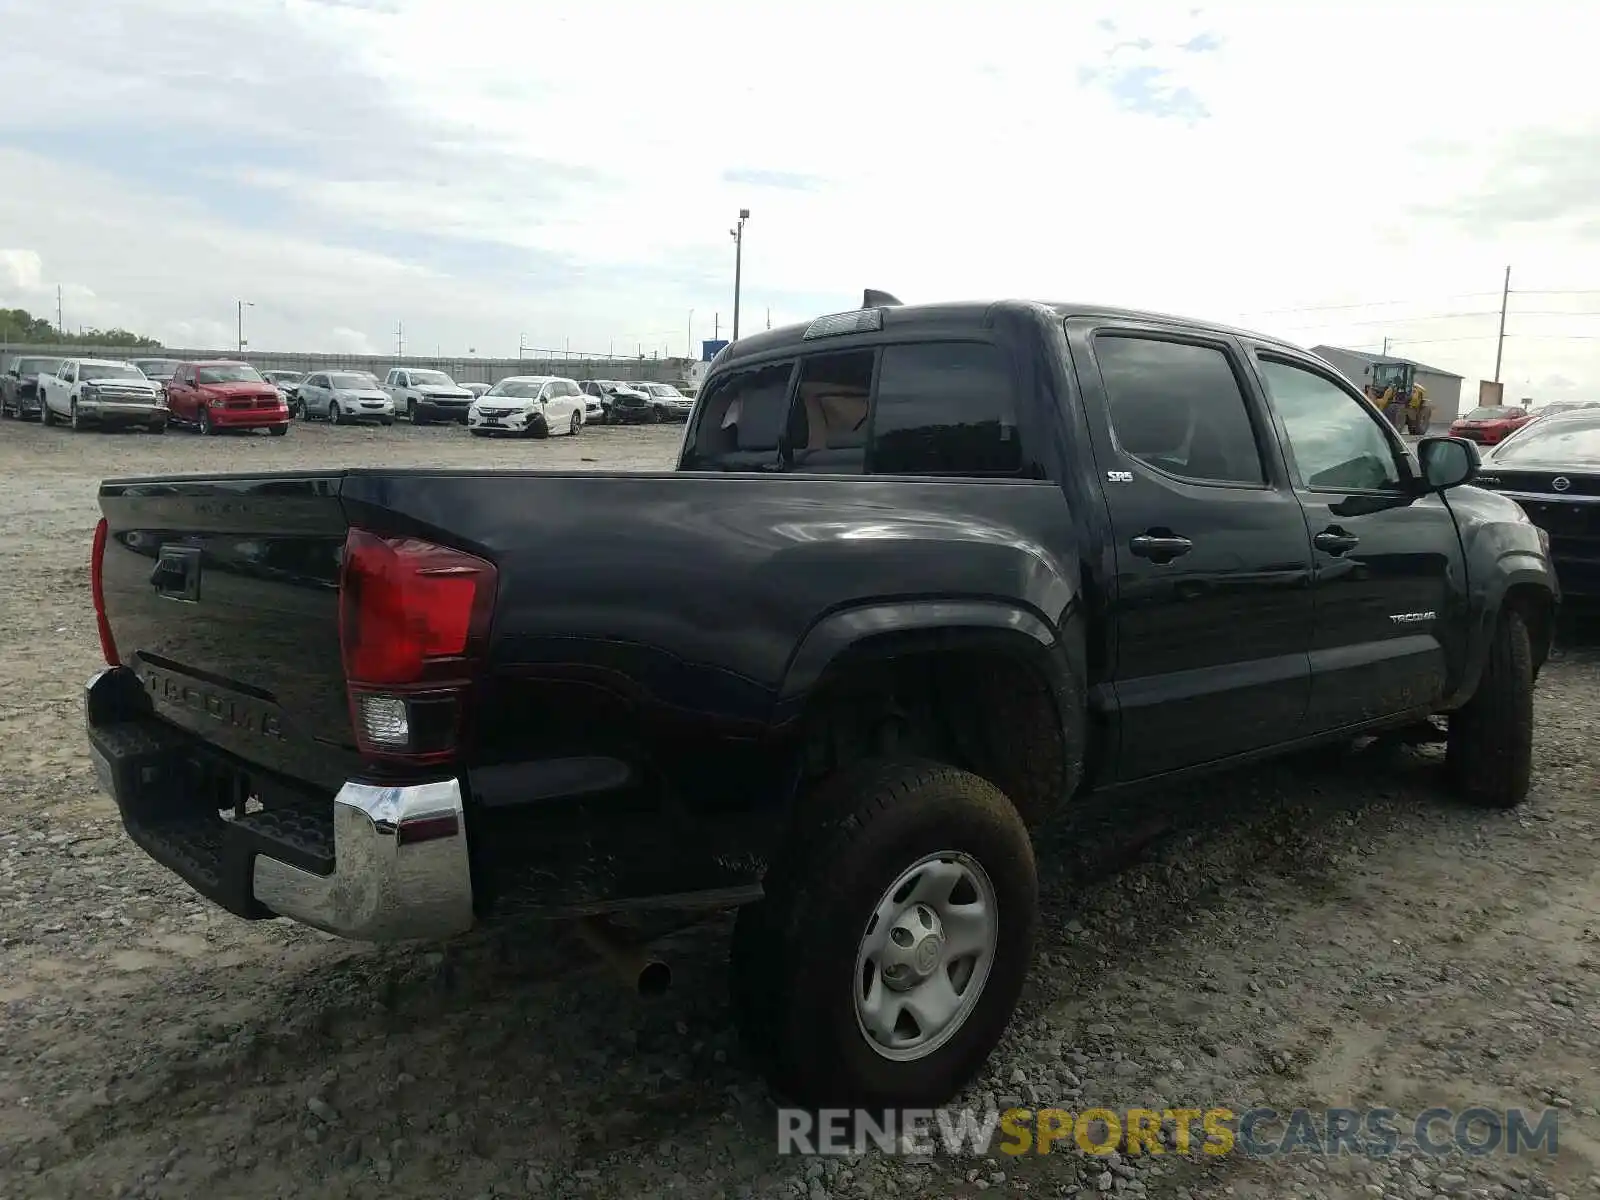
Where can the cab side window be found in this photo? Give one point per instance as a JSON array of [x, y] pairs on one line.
[[944, 408], [1335, 442], [1178, 407]]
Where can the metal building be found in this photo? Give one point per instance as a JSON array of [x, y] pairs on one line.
[[1444, 387]]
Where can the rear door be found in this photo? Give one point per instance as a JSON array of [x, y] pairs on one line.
[[1388, 562], [1211, 601]]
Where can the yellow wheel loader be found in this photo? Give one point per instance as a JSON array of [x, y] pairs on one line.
[[1398, 395]]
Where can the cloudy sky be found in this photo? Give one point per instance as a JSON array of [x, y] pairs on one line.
[[491, 173]]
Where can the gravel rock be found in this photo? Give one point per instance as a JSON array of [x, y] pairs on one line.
[[1290, 936]]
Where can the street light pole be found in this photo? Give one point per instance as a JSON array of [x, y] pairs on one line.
[[690, 348], [1500, 342], [738, 265], [243, 304]]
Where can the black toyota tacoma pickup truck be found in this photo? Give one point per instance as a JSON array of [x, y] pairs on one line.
[[923, 575]]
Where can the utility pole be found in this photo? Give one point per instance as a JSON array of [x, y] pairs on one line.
[[691, 334], [1386, 345], [400, 339], [716, 328], [243, 304], [738, 265], [61, 329], [1500, 342], [522, 344], [769, 316]]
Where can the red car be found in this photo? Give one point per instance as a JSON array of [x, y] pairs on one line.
[[213, 396], [1489, 426]]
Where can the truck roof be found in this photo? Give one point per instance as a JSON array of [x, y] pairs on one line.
[[966, 313]]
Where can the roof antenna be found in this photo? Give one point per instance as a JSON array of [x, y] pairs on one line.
[[876, 299]]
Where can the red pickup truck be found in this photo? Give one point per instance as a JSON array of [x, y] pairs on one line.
[[214, 396]]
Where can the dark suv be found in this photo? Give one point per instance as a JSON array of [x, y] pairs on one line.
[[19, 384], [620, 403]]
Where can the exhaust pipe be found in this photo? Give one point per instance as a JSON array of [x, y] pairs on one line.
[[630, 960]]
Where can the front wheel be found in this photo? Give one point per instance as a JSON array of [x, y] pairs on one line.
[[73, 420], [1489, 751], [278, 430], [886, 959], [576, 427], [335, 413], [46, 417], [207, 428]]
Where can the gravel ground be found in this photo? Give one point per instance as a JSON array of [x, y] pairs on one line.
[[1327, 930]]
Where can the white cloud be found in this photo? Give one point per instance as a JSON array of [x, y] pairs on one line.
[[484, 171]]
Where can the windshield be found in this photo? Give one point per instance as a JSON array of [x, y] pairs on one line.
[[521, 390], [285, 376], [353, 380], [666, 390], [1570, 442], [38, 366], [1490, 414], [431, 379], [101, 371], [229, 373], [157, 366]]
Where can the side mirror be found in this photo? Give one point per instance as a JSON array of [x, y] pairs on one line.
[[1447, 462]]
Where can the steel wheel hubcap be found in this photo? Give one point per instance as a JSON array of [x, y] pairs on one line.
[[925, 956]]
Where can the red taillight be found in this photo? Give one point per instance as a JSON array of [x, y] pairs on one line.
[[412, 619], [97, 558]]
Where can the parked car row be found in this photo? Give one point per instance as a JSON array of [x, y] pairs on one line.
[[211, 397]]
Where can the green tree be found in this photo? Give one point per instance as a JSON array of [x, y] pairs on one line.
[[20, 326]]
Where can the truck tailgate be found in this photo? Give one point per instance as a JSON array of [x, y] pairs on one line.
[[222, 595]]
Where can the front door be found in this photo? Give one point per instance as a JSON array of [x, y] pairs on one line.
[[1388, 561], [1211, 601]]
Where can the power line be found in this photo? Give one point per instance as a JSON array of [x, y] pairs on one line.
[[1364, 304]]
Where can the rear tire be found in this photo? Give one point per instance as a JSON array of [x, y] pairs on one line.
[[1489, 752], [802, 958], [161, 428]]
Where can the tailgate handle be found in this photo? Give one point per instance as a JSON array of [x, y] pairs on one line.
[[177, 573]]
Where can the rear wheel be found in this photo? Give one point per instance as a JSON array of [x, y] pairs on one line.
[[1489, 753], [74, 421], [885, 961]]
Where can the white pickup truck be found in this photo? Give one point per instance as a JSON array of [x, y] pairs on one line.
[[423, 396], [99, 392]]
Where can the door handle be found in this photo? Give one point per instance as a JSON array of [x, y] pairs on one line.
[[1160, 547], [1335, 541]]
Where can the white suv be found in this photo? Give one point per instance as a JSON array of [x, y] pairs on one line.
[[530, 405]]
